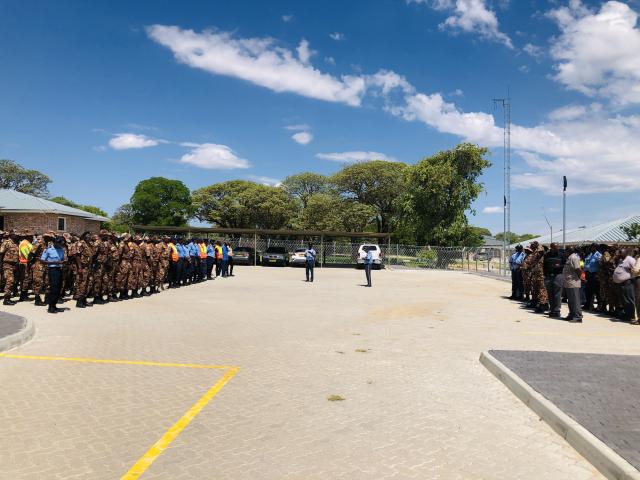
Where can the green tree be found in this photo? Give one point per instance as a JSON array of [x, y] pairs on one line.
[[244, 204], [481, 231], [86, 208], [304, 185], [514, 237], [330, 212], [632, 231], [377, 183], [440, 189], [161, 201], [122, 219], [15, 177]]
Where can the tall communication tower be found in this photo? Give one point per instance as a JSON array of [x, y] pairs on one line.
[[505, 103]]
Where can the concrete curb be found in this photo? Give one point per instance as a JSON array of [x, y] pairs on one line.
[[22, 336], [608, 462]]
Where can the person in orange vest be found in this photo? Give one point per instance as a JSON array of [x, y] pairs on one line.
[[25, 247], [202, 248], [218, 250], [174, 260]]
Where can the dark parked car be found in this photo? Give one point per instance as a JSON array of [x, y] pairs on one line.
[[244, 256], [277, 256]]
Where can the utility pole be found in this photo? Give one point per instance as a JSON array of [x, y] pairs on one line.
[[505, 103], [564, 213]]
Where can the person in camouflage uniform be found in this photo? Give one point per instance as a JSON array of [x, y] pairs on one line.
[[608, 293], [114, 262], [10, 255], [100, 272], [124, 268], [538, 289], [25, 248], [39, 269], [164, 254], [525, 268], [84, 259], [135, 277], [146, 250]]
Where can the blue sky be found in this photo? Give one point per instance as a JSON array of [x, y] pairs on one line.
[[100, 95]]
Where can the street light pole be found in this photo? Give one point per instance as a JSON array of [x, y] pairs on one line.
[[564, 213], [550, 226]]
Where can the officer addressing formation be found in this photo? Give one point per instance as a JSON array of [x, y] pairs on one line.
[[105, 267]]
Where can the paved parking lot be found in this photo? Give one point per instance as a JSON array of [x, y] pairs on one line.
[[403, 355]]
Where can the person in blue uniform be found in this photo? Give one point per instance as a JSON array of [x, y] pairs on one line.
[[54, 258], [368, 263], [310, 262]]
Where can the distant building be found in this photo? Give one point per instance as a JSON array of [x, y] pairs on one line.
[[491, 242], [19, 210], [607, 233]]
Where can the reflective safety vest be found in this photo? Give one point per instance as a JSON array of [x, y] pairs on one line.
[[24, 248], [218, 252], [174, 253], [203, 250]]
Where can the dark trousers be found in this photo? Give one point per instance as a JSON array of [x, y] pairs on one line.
[[309, 271], [180, 270], [593, 290], [628, 299], [575, 304], [225, 268], [210, 264], [230, 266], [517, 284], [554, 292], [195, 269], [173, 273], [203, 269], [367, 272], [218, 267], [55, 285]]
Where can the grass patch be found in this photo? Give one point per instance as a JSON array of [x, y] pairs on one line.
[[363, 350], [335, 398]]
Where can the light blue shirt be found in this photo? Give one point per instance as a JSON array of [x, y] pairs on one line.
[[368, 259], [592, 262], [516, 260], [53, 254], [210, 251], [193, 250], [182, 251], [225, 253], [310, 255]]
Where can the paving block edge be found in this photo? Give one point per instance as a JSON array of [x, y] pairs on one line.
[[601, 456], [21, 337]]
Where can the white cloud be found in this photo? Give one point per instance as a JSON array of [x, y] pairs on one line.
[[259, 61], [599, 52], [304, 52], [330, 60], [471, 16], [213, 156], [492, 210], [337, 36], [533, 50], [268, 181], [303, 138], [287, 18], [355, 156], [298, 126], [126, 141]]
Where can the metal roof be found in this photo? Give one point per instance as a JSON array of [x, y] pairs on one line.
[[17, 202], [610, 232]]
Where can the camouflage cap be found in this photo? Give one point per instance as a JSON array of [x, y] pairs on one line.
[[104, 232], [49, 234]]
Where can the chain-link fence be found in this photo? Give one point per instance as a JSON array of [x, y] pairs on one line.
[[394, 256]]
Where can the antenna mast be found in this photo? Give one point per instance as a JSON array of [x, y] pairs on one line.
[[505, 103]]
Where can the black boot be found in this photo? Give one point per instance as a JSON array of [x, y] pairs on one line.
[[24, 297], [80, 303], [97, 300], [39, 302], [114, 298], [8, 301], [124, 295]]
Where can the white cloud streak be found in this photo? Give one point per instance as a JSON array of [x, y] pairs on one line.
[[491, 210], [355, 156], [303, 138], [213, 157], [127, 141], [337, 36], [599, 52], [259, 61]]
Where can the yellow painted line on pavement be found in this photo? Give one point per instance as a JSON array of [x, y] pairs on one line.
[[116, 362], [160, 446], [583, 334], [170, 435]]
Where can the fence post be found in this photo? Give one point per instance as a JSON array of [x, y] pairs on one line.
[[255, 249], [321, 251]]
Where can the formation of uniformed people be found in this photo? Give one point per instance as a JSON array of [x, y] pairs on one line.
[[599, 278], [105, 267]]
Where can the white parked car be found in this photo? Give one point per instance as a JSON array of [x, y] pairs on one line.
[[298, 258], [376, 253]]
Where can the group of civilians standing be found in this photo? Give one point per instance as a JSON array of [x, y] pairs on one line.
[[602, 278], [310, 262]]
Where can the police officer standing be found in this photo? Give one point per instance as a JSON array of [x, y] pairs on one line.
[[310, 263], [368, 263], [552, 266], [53, 257]]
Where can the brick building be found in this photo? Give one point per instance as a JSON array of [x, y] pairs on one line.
[[19, 210]]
